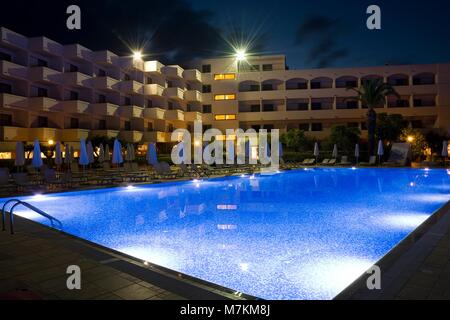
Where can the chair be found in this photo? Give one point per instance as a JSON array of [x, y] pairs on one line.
[[344, 161], [52, 180], [332, 162], [325, 162], [372, 162]]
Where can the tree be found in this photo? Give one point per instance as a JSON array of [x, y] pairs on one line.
[[434, 140], [344, 137], [373, 94], [417, 141], [297, 140], [390, 126]]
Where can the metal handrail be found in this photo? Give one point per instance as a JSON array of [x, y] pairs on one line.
[[17, 203]]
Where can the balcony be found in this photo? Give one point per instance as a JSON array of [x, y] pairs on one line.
[[13, 134], [105, 83], [110, 134], [157, 137], [193, 96], [104, 109], [175, 115], [193, 116], [43, 134], [45, 75], [173, 71], [13, 39], [192, 75], [10, 101], [129, 63], [154, 90], [154, 113], [75, 107], [105, 58], [77, 79], [43, 104], [131, 111], [74, 135], [153, 67], [46, 46], [131, 87], [131, 136], [175, 93], [11, 70], [77, 52]]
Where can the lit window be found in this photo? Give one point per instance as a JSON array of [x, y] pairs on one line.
[[222, 97], [225, 117], [225, 76]]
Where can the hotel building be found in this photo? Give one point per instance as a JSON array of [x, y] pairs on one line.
[[56, 92]]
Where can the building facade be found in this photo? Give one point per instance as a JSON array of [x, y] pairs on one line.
[[56, 92]]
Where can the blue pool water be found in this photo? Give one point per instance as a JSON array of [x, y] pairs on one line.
[[294, 235]]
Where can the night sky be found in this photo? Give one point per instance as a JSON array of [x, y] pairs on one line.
[[313, 34]]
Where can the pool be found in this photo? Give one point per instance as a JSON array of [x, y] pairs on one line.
[[305, 234]]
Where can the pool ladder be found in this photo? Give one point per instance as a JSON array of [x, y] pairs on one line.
[[55, 223]]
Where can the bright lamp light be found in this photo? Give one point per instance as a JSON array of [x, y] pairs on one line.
[[241, 55], [137, 55]]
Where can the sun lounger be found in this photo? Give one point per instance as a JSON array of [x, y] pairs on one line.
[[372, 162], [325, 162], [332, 162], [344, 161]]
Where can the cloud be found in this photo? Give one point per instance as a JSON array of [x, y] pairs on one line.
[[172, 30], [318, 34]]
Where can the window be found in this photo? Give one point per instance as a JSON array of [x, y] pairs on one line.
[[149, 104], [303, 126], [41, 63], [170, 127], [127, 101], [269, 108], [256, 127], [149, 80], [73, 95], [352, 104], [316, 127], [207, 108], [222, 97], [5, 88], [42, 92], [351, 84], [225, 117], [269, 127], [102, 124], [401, 82], [255, 108], [42, 122], [225, 76], [316, 85], [127, 125], [206, 68], [169, 84], [267, 87], [74, 123], [316, 106], [5, 119], [4, 56], [101, 98], [254, 87], [150, 127], [402, 103], [101, 73], [73, 68], [267, 67], [206, 88], [302, 85]]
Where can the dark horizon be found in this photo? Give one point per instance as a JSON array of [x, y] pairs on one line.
[[311, 35]]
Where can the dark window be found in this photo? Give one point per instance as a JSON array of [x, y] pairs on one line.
[[101, 73], [267, 67], [302, 85], [352, 104], [255, 108], [149, 80], [256, 127], [5, 56], [424, 80], [316, 106], [74, 95], [170, 127], [269, 127], [42, 122], [267, 87], [254, 87], [206, 68], [269, 108], [126, 77], [41, 63], [417, 102], [207, 108], [206, 88], [73, 68], [74, 123], [402, 104], [301, 106], [5, 119], [149, 104], [127, 101], [150, 127], [101, 98], [351, 84], [303, 126], [5, 88], [127, 125], [102, 124], [316, 85], [169, 84], [42, 92], [316, 127], [170, 105], [401, 82]]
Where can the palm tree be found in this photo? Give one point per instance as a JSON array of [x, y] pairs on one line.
[[372, 94]]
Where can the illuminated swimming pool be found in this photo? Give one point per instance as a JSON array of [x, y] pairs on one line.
[[294, 235]]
